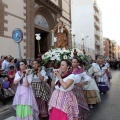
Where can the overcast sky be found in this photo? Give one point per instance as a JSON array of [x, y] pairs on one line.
[[111, 18]]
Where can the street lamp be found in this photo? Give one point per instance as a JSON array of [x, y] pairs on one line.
[[55, 39], [38, 38], [86, 40], [52, 33], [73, 34], [83, 39], [74, 46]]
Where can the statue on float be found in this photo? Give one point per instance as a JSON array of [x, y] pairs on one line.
[[61, 32], [53, 57]]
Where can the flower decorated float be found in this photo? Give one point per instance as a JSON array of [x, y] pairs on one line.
[[53, 57]]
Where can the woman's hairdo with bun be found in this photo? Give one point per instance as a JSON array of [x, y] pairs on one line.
[[67, 62]]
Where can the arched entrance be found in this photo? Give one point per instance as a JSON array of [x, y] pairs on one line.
[[44, 23]]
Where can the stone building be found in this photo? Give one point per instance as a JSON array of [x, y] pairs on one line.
[[31, 16]]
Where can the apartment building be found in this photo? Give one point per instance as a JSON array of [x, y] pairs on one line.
[[86, 20], [111, 49]]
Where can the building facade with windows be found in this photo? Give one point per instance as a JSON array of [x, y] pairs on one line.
[[87, 21], [31, 16], [118, 51], [111, 49]]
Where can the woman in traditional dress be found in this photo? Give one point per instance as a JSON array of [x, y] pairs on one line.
[[24, 101], [91, 89], [103, 81], [108, 72], [63, 104], [41, 89], [78, 91]]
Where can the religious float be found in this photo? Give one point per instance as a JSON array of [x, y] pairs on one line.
[[53, 57]]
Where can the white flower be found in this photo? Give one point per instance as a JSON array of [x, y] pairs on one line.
[[53, 54], [57, 54], [66, 51], [58, 58], [65, 57], [43, 57], [70, 57], [48, 54], [53, 58]]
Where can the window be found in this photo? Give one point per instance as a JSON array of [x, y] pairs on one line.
[[41, 21]]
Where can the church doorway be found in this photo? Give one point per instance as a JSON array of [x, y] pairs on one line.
[[44, 23]]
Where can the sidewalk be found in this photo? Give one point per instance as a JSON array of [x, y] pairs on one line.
[[11, 118], [7, 107], [6, 111]]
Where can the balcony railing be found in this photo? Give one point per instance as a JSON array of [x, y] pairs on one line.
[[96, 15], [97, 26], [97, 52], [97, 33], [96, 6], [110, 46], [97, 43]]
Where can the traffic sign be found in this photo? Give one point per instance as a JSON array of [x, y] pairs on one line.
[[17, 35]]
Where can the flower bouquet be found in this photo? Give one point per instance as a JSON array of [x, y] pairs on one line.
[[53, 57]]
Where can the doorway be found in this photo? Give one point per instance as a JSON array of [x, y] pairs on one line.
[[42, 43]]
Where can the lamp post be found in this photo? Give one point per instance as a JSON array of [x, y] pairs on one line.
[[38, 38], [74, 44], [52, 32], [86, 39], [55, 42], [82, 37], [73, 34]]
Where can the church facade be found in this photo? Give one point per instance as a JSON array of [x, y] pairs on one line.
[[32, 17]]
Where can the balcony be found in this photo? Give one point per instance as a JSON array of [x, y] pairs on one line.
[[97, 34], [97, 52], [110, 52], [97, 26], [110, 46], [96, 15], [97, 43], [96, 6]]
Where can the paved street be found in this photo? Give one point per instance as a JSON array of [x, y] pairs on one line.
[[108, 109], [6, 111]]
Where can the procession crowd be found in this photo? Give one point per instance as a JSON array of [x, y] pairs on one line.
[[114, 64], [66, 93]]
